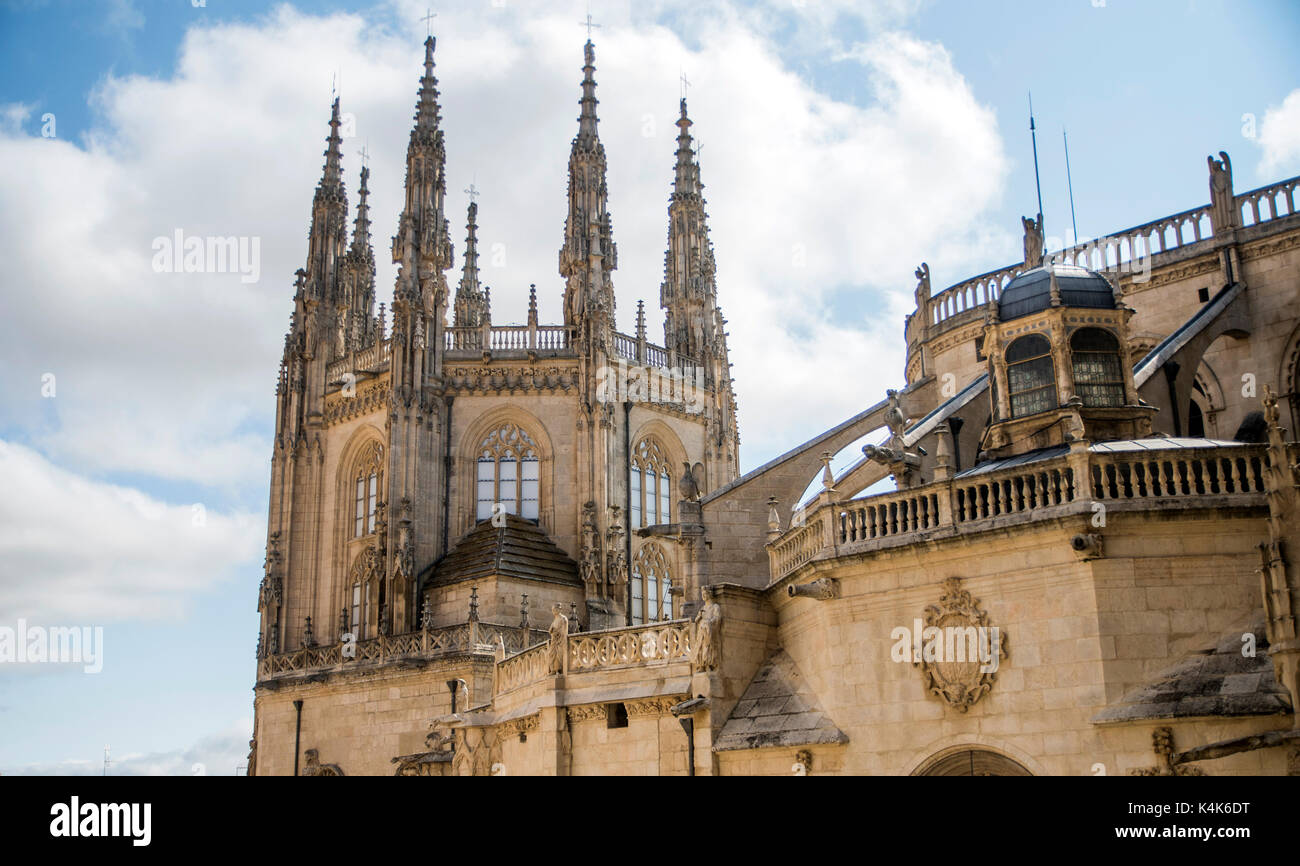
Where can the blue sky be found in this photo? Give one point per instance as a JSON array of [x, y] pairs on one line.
[[868, 136]]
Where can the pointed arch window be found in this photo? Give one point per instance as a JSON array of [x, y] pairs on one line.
[[1098, 375], [509, 472], [652, 582], [650, 485], [366, 571], [369, 478], [1031, 376]]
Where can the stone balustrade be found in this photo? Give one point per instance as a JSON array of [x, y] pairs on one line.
[[1144, 477], [507, 338], [584, 652], [624, 647], [474, 637], [1279, 198], [521, 669], [1178, 474], [371, 360], [1120, 251]]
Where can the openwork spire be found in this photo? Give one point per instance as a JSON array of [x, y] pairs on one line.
[[361, 226], [426, 110], [689, 293], [333, 155], [587, 135], [589, 254], [687, 181], [470, 301]]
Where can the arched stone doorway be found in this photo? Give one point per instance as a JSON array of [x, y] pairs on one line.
[[971, 762]]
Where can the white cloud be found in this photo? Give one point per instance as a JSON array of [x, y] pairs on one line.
[[78, 552], [1279, 137], [819, 209], [219, 754], [12, 117]]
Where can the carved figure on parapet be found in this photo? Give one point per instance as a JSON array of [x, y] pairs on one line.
[[1033, 240], [1223, 204], [922, 286], [706, 649], [688, 486], [558, 641]]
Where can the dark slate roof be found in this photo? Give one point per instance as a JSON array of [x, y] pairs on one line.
[[1211, 682], [1031, 291], [777, 709], [518, 548]]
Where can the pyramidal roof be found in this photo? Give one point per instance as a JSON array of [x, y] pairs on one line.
[[517, 548], [777, 709]]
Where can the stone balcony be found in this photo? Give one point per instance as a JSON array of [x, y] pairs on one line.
[[471, 638], [659, 647], [1148, 474]]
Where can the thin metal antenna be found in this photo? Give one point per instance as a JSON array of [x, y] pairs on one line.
[[107, 763], [1034, 136], [1070, 181]]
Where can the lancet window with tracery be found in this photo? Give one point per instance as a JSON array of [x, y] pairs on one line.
[[509, 473], [650, 485], [652, 581]]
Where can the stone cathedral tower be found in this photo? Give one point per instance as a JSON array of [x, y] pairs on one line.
[[463, 473]]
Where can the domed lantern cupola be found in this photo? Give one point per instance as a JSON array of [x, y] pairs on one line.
[[1059, 365]]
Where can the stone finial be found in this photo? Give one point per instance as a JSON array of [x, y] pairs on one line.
[[308, 639], [523, 611], [828, 477], [473, 604], [773, 518], [943, 452]]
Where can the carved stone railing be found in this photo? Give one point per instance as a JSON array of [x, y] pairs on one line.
[[476, 637], [522, 669], [628, 348], [1015, 491], [798, 545], [973, 294], [371, 360], [1121, 251], [634, 646], [1145, 478], [1178, 474], [507, 338], [1278, 197], [888, 514], [630, 647]]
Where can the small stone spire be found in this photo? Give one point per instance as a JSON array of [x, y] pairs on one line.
[[470, 299], [426, 112], [687, 181], [587, 121], [640, 321], [589, 254], [333, 155], [361, 226], [532, 305]]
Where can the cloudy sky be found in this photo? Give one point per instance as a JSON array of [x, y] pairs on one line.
[[843, 144]]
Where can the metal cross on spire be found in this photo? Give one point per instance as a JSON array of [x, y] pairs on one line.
[[365, 155], [472, 192], [589, 24], [685, 85], [428, 21]]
